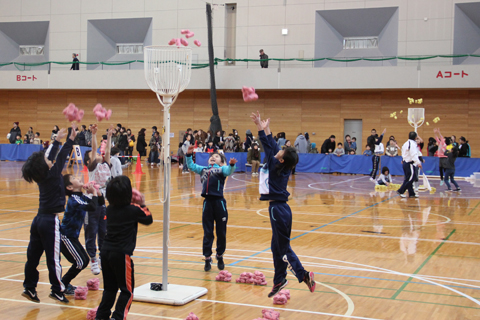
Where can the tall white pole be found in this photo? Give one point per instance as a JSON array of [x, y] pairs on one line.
[[166, 188]]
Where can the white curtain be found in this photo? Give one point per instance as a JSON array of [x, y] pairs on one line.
[[134, 48], [360, 43], [31, 50]]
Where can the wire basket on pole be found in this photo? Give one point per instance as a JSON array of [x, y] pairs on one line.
[[416, 117], [167, 72]]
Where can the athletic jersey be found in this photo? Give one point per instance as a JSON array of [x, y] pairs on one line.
[[212, 177], [52, 189], [273, 182], [122, 227], [77, 206]]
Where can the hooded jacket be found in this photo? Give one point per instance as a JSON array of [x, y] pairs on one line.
[[301, 144]]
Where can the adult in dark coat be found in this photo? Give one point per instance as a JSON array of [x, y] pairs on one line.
[[141, 144], [14, 132], [75, 64], [328, 145]]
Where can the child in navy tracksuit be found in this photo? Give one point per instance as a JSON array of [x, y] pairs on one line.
[[273, 187], [77, 206], [214, 206], [45, 229], [123, 218]]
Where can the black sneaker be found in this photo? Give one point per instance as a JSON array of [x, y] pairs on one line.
[[70, 290], [31, 295], [308, 278], [208, 264], [220, 263], [277, 288], [458, 189], [58, 296]]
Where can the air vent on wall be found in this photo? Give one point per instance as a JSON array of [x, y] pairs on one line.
[[130, 48], [31, 50], [360, 42]]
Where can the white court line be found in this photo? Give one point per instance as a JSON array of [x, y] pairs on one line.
[[84, 308], [15, 239], [18, 274], [301, 256], [286, 309], [6, 224], [335, 233], [4, 254]]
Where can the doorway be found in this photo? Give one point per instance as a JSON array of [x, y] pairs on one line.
[[354, 129]]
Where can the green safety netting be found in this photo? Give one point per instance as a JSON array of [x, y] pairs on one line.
[[217, 60]]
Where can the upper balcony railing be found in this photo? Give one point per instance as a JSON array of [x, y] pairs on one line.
[[274, 62]]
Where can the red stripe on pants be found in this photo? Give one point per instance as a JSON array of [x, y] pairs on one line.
[[128, 280]]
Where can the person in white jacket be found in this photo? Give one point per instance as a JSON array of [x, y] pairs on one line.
[[117, 167]]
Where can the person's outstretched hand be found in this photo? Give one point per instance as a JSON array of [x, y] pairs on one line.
[[233, 161], [190, 149], [62, 133]]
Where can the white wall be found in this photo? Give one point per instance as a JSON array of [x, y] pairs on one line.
[[259, 23], [234, 78]]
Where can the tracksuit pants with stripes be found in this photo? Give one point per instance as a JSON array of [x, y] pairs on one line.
[[375, 161], [117, 270], [73, 251], [409, 172], [44, 236], [283, 255], [214, 215]]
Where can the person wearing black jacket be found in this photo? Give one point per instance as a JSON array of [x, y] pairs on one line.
[[328, 145], [76, 63], [122, 143], [452, 155], [45, 229], [81, 136], [464, 148], [141, 144], [263, 56], [117, 250], [14, 132]]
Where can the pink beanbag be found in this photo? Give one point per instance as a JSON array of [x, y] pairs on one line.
[[286, 293], [81, 293], [270, 314], [191, 316], [93, 284], [172, 42], [101, 113], [197, 43], [224, 276], [185, 31], [259, 279], [184, 42], [72, 113], [249, 94], [92, 313], [280, 299], [136, 196], [189, 35]]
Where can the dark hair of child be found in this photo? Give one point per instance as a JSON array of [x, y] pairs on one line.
[[385, 169], [290, 159], [119, 191], [448, 141], [224, 160], [66, 183], [38, 134], [89, 162], [114, 151], [35, 168], [180, 145], [339, 144], [354, 138]]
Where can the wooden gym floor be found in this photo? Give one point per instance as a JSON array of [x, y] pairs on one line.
[[375, 256]]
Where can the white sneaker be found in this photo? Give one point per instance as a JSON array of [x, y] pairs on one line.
[[371, 179], [94, 266]]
